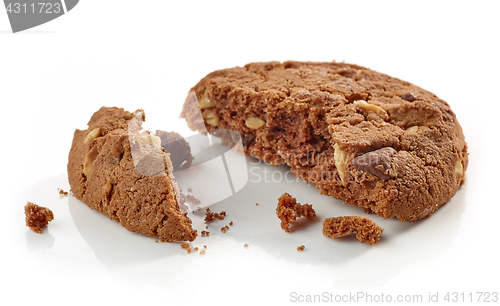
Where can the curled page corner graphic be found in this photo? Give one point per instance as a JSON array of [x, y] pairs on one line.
[[27, 14]]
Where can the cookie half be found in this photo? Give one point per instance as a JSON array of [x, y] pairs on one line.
[[364, 137], [123, 173]]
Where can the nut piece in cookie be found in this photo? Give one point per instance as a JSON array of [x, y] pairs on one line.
[[376, 162], [366, 230], [178, 147], [37, 217], [289, 210]]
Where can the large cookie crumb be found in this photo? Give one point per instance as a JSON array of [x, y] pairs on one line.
[[366, 230], [37, 217], [289, 210]]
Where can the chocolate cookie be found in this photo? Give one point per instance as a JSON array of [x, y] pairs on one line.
[[361, 136], [125, 175]]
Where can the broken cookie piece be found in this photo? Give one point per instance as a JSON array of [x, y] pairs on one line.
[[366, 230], [289, 210], [318, 118], [122, 172], [37, 217], [178, 148]]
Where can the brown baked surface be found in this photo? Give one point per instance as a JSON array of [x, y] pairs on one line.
[[102, 174], [364, 137], [37, 216], [288, 210], [366, 230]]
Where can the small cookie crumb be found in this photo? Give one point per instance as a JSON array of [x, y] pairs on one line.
[[210, 216], [231, 223], [301, 248], [196, 248], [256, 203], [246, 245], [62, 192], [366, 230], [37, 217], [205, 233], [186, 247], [202, 252], [289, 210], [224, 228], [190, 190]]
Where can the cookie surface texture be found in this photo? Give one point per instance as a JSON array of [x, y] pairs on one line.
[[363, 137]]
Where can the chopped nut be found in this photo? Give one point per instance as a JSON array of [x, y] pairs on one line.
[[211, 117], [372, 107], [89, 159], [93, 135], [376, 162], [340, 157], [254, 123], [279, 66], [412, 128], [205, 102], [410, 97], [459, 168]]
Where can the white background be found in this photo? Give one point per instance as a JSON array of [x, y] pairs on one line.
[[148, 54]]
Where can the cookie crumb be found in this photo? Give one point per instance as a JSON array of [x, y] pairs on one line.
[[156, 241], [256, 203], [205, 233], [224, 228], [186, 247], [205, 246], [62, 192], [301, 248], [366, 230], [246, 245], [37, 217], [210, 216], [190, 190], [202, 252], [289, 210], [196, 248], [231, 223]]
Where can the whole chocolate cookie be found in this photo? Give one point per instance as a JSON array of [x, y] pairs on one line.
[[126, 175], [361, 136]]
